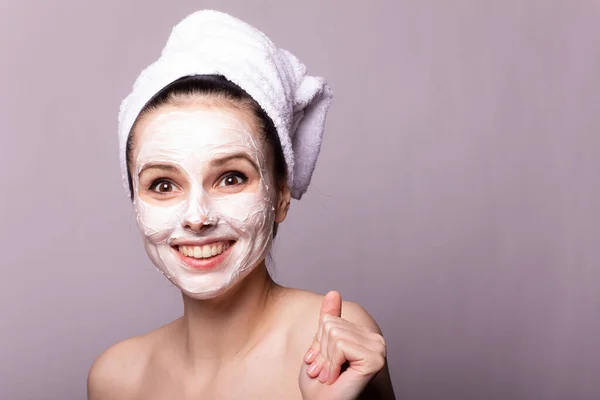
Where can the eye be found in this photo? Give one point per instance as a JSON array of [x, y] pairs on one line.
[[232, 179], [162, 186]]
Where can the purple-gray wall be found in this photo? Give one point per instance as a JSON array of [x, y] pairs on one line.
[[457, 196]]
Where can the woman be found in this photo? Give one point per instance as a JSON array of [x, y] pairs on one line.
[[216, 138]]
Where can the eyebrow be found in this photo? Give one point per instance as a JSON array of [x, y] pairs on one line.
[[214, 163], [163, 167], [224, 160]]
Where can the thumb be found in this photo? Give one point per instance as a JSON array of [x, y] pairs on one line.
[[332, 304]]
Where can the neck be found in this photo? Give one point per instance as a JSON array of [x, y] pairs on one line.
[[229, 325]]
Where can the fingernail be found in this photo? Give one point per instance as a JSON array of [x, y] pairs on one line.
[[308, 355], [312, 368]]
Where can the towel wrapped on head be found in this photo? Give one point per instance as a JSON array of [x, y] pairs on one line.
[[214, 43]]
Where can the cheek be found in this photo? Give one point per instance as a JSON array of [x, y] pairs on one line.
[[156, 221], [248, 212]]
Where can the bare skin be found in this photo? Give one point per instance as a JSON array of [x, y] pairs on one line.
[[257, 340], [248, 345]]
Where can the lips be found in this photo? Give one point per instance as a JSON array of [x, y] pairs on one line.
[[206, 256], [205, 251]]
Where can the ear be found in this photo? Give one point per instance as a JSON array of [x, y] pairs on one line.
[[283, 203]]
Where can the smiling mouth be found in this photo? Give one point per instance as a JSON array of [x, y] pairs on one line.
[[206, 251]]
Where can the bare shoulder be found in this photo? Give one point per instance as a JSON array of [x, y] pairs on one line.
[[114, 374], [118, 372], [308, 305], [356, 314]]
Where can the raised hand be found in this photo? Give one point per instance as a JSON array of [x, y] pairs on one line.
[[339, 342]]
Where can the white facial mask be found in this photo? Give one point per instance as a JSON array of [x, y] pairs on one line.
[[192, 141]]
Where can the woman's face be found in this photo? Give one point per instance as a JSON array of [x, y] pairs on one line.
[[202, 195]]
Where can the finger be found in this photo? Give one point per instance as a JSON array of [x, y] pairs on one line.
[[331, 308], [332, 304], [372, 346], [324, 374], [312, 352], [334, 370], [362, 361], [315, 368], [330, 323], [333, 330], [327, 324], [341, 333], [335, 359], [349, 324], [337, 329], [338, 358]]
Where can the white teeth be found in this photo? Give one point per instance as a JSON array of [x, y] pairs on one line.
[[206, 251]]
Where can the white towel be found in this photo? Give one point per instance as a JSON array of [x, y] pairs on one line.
[[212, 42]]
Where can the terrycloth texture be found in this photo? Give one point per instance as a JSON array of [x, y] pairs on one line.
[[212, 42]]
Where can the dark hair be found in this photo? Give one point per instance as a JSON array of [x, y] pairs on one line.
[[215, 88]]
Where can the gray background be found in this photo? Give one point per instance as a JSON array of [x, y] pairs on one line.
[[456, 196]]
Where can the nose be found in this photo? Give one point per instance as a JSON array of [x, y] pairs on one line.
[[196, 218], [196, 225]]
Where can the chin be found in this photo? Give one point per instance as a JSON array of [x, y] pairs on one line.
[[217, 286], [195, 279], [204, 294]]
